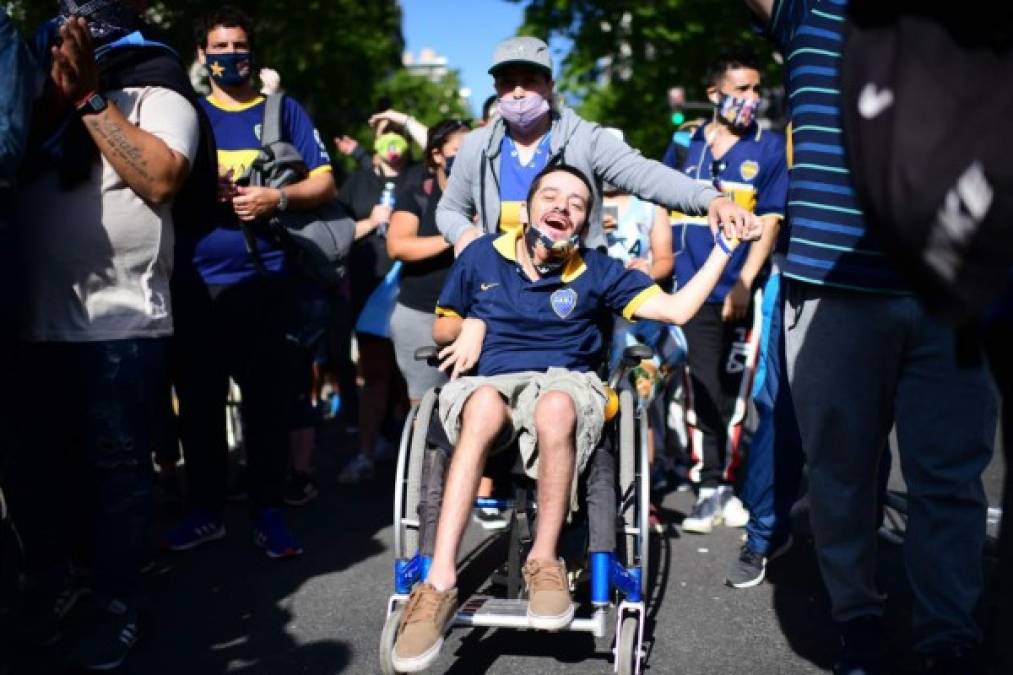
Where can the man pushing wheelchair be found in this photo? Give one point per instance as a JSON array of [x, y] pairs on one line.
[[527, 308]]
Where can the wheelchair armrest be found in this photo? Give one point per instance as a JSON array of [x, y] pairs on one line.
[[634, 354]]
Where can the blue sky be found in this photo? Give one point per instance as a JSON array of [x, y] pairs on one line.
[[466, 33]]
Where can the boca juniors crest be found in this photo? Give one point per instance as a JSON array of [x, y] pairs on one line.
[[563, 302]]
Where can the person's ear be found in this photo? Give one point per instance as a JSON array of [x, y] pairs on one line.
[[523, 216], [713, 95], [202, 56]]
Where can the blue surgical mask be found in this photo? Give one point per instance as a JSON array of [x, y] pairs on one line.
[[230, 69]]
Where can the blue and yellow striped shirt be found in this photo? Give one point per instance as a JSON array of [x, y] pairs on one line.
[[830, 241]]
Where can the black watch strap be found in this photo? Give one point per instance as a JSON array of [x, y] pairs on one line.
[[94, 103]]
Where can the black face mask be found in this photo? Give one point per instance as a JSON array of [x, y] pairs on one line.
[[449, 162]]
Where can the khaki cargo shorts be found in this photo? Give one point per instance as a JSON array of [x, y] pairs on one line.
[[522, 391]]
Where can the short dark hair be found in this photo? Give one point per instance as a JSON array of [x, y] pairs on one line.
[[439, 134], [555, 168], [226, 16], [730, 59]]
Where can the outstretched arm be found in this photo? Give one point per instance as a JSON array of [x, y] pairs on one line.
[[679, 307]]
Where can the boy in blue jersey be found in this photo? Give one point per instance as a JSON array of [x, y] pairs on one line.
[[862, 357], [747, 164], [231, 316], [527, 308]]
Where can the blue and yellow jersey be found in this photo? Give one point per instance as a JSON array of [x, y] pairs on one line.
[[555, 321], [515, 180], [221, 256], [753, 174]]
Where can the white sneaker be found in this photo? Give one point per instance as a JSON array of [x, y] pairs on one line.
[[733, 512], [706, 513], [358, 469]]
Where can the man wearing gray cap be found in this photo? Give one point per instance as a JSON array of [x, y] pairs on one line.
[[495, 164]]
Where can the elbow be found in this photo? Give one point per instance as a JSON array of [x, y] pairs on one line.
[[160, 193], [331, 192]]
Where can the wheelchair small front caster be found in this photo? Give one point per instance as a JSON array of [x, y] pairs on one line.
[[387, 638], [628, 647]]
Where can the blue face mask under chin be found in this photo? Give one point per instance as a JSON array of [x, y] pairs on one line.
[[559, 251], [230, 69]]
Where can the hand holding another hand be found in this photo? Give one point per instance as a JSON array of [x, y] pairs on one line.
[[735, 222]]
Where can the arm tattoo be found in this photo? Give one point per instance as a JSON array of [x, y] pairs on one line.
[[121, 146]]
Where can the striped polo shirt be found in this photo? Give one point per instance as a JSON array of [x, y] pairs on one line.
[[830, 241]]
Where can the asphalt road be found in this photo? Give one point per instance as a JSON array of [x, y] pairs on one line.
[[226, 608]]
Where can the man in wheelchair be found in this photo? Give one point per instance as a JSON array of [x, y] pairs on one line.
[[532, 304]]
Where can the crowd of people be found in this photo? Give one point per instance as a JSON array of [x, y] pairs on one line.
[[142, 278]]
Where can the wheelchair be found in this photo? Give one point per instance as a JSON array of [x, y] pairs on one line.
[[617, 581]]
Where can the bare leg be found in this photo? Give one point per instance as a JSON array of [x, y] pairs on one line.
[[485, 487], [555, 421], [483, 416]]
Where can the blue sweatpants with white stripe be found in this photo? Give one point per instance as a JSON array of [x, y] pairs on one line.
[[774, 466]]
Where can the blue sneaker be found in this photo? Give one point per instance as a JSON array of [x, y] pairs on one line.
[[271, 534], [198, 527]]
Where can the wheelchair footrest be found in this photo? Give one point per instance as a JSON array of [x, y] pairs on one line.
[[504, 613]]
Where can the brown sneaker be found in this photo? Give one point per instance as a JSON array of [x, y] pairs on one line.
[[423, 623], [549, 604]]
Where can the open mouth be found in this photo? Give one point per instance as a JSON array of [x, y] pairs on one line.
[[556, 224]]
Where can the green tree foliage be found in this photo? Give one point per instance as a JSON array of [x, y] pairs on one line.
[[627, 53], [429, 102]]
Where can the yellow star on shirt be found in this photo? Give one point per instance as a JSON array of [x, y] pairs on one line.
[[216, 69]]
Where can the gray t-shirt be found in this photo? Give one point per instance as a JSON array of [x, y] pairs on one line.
[[97, 257]]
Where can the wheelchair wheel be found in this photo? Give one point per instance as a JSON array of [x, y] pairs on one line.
[[634, 487], [627, 651], [627, 475], [387, 638], [644, 505], [894, 527], [408, 490]]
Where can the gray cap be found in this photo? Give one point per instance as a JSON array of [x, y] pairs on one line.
[[525, 51]]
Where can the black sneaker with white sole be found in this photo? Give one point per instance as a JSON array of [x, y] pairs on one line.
[[747, 570], [489, 519], [108, 639]]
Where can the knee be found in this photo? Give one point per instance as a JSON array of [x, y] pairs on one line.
[[555, 414], [484, 406]]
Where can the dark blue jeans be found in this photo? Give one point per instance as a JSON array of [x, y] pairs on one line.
[[82, 478]]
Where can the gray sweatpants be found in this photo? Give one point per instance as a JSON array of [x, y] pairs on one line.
[[858, 363]]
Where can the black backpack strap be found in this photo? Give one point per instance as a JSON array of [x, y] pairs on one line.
[[271, 131]]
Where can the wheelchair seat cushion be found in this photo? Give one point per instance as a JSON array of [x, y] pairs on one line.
[[522, 392]]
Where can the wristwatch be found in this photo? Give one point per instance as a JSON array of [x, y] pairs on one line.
[[92, 103], [283, 200]]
